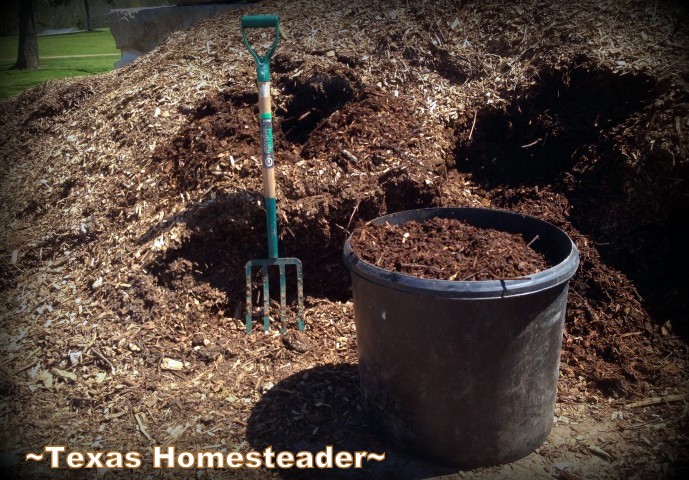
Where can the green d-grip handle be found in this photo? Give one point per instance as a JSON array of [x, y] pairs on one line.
[[261, 21]]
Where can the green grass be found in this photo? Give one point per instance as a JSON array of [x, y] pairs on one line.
[[72, 46]]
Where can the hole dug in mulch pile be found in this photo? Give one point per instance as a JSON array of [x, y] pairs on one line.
[[567, 113], [343, 156]]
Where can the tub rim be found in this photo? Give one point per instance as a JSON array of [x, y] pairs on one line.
[[464, 289]]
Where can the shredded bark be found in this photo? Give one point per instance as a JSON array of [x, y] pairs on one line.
[[447, 249]]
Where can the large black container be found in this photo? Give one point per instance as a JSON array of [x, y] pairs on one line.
[[463, 372]]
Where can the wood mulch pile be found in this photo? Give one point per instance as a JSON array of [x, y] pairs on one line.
[[132, 200]]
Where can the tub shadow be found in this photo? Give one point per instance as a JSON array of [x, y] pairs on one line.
[[321, 406]]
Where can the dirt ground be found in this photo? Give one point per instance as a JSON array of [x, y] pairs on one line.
[[132, 200]]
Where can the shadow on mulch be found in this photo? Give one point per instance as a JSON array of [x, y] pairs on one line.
[[558, 134], [222, 234], [319, 407], [541, 133], [639, 233]]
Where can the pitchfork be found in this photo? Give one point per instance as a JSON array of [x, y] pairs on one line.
[[266, 126]]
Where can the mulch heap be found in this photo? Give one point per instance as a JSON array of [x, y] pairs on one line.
[[132, 200]]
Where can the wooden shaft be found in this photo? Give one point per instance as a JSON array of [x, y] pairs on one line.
[[264, 109], [264, 97]]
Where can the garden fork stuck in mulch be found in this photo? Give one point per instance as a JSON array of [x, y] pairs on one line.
[[266, 126]]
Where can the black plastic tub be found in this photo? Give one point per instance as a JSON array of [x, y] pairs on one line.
[[463, 372]]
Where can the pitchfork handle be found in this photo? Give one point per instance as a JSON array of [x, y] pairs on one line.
[[266, 121], [262, 62]]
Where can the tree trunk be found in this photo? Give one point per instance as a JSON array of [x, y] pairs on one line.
[[27, 55], [88, 16]]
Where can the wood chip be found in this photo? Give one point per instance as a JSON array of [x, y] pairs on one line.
[[65, 374], [171, 364], [657, 400], [142, 427], [599, 452]]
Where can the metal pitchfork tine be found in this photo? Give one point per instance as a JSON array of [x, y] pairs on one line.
[[266, 125]]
